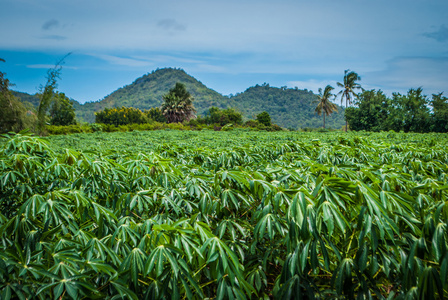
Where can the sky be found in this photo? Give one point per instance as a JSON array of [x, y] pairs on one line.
[[231, 45]]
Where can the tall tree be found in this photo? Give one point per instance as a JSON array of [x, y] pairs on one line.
[[62, 111], [325, 106], [177, 105], [14, 115], [47, 93], [348, 89]]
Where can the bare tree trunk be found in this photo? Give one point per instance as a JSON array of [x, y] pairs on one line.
[[346, 104]]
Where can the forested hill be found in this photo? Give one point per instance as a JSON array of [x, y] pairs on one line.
[[147, 91], [290, 108]]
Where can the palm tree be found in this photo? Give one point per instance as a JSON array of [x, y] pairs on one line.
[[325, 105], [348, 89], [178, 104]]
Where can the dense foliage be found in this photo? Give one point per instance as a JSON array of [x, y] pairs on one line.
[[373, 111], [195, 215]]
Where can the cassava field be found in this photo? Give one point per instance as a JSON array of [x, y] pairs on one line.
[[224, 215]]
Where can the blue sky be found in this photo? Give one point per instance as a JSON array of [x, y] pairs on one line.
[[228, 45]]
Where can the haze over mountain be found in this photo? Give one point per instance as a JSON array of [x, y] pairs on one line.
[[290, 108]]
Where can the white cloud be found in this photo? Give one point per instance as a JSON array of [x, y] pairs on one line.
[[48, 66], [124, 61], [404, 73]]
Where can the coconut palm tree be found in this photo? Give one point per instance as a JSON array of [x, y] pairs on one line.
[[178, 104], [348, 89], [325, 106]]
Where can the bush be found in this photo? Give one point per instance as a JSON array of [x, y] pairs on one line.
[[96, 127], [227, 127], [323, 130], [264, 118], [60, 129], [120, 116], [251, 123], [275, 127], [225, 116]]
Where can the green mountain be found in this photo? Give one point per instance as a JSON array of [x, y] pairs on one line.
[[147, 91], [290, 108]]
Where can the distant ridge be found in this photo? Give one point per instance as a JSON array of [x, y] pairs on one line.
[[290, 108]]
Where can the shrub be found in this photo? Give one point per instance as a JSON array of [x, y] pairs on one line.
[[96, 127], [120, 116], [251, 123], [225, 116], [264, 118], [227, 127]]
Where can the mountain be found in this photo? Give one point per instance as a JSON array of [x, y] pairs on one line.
[[290, 108], [147, 91]]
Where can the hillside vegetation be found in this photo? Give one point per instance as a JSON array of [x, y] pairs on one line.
[[290, 108]]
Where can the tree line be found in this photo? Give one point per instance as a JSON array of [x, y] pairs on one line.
[[372, 110], [412, 112]]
